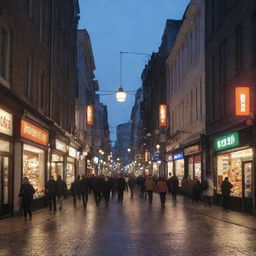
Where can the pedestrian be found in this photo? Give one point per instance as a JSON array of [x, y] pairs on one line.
[[141, 183], [97, 185], [226, 187], [75, 190], [51, 190], [162, 189], [131, 184], [84, 188], [61, 191], [207, 190], [121, 187], [196, 191], [149, 187], [184, 185], [189, 187], [113, 182], [173, 185], [26, 193], [106, 190]]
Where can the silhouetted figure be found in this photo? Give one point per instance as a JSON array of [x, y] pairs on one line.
[[51, 189], [121, 187], [61, 191], [84, 187], [26, 192], [226, 187], [106, 190]]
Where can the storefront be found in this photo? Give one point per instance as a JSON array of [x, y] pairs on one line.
[[58, 159], [169, 160], [193, 158], [35, 145], [71, 166], [234, 160], [179, 169], [6, 170]]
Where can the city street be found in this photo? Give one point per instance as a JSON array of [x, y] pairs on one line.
[[132, 229]]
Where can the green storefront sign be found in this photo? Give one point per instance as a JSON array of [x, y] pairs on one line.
[[227, 141]]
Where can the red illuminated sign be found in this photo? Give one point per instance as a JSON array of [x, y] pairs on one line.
[[89, 115], [32, 132], [242, 101], [163, 115]]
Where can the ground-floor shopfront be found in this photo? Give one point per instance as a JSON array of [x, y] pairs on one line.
[[233, 158], [6, 162]]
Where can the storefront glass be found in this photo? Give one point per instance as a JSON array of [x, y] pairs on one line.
[[33, 168], [234, 165], [70, 172], [191, 167], [57, 166], [179, 169], [197, 167], [170, 168]]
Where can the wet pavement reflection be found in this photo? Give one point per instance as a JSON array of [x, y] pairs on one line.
[[134, 228]]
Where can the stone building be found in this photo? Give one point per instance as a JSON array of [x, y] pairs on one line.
[[186, 95], [37, 92], [230, 63], [154, 87]]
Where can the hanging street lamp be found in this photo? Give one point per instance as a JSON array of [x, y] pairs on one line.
[[121, 95]]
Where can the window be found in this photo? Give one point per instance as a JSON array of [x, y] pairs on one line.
[[4, 54], [28, 78], [41, 91], [30, 7], [223, 62], [239, 47], [213, 89]]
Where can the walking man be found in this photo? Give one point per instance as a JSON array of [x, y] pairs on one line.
[[26, 192], [173, 185], [149, 187], [226, 187], [121, 187], [61, 190], [84, 187], [51, 192]]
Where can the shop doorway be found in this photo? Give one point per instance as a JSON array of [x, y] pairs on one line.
[[57, 169], [4, 186], [247, 192]]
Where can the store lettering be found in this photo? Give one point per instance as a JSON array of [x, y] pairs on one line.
[[33, 133], [5, 122], [227, 141], [191, 150]]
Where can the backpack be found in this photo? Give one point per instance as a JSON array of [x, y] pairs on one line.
[[204, 185]]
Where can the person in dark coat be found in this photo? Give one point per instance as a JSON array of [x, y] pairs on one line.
[[106, 190], [131, 184], [51, 192], [226, 187], [141, 184], [61, 191], [97, 185], [113, 181], [84, 185], [75, 190], [173, 185], [26, 192], [196, 191], [121, 187]]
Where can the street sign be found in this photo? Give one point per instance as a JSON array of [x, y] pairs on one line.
[[227, 141]]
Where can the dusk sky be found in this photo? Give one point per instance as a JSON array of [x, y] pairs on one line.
[[124, 25]]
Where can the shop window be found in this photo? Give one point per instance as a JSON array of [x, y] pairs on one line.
[[4, 146], [232, 165], [33, 168], [57, 166], [70, 178], [179, 169]]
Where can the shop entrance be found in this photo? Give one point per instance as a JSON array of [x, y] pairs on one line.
[[247, 185], [4, 186]]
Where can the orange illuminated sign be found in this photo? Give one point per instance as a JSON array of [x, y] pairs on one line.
[[89, 115], [146, 156], [32, 132], [163, 115], [242, 101]]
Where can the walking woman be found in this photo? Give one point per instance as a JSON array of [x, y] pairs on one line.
[[162, 189], [26, 192]]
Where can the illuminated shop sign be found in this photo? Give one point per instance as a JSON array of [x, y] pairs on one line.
[[178, 156], [163, 115], [89, 115], [227, 141], [146, 156], [72, 152], [32, 132], [192, 150], [242, 101], [6, 123], [169, 158], [61, 146]]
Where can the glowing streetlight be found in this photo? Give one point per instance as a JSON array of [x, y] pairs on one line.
[[121, 95], [128, 150], [158, 146]]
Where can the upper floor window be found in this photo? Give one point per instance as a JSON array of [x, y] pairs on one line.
[[41, 91], [5, 42], [28, 78], [239, 46], [30, 7]]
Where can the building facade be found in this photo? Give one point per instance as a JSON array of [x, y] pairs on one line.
[[230, 63], [37, 91], [186, 95], [154, 87]]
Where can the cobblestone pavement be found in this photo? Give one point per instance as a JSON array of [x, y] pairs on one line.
[[133, 229]]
